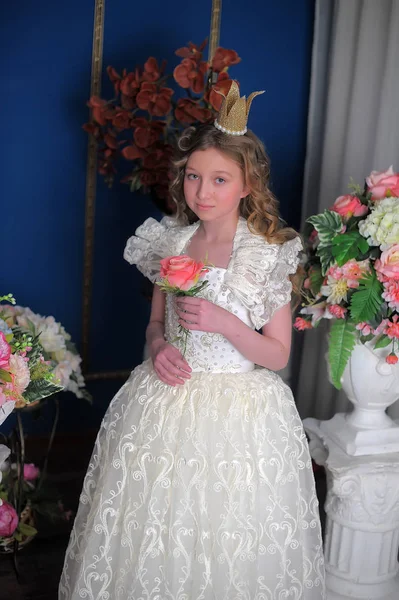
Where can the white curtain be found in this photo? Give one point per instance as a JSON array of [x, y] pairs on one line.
[[353, 128]]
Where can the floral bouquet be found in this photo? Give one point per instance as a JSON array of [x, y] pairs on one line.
[[26, 376], [182, 276], [57, 350], [352, 271], [144, 118]]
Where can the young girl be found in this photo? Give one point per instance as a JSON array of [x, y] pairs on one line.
[[200, 486]]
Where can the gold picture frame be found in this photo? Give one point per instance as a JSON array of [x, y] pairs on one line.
[[91, 179]]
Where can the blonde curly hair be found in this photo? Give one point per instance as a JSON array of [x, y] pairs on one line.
[[260, 207]]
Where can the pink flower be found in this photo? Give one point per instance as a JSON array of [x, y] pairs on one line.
[[21, 375], [364, 328], [349, 206], [5, 351], [8, 520], [388, 263], [31, 472], [391, 293], [353, 270], [181, 272], [392, 359], [338, 311], [384, 184], [302, 324], [381, 328], [392, 330]]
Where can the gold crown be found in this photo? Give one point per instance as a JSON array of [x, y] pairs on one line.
[[233, 114]]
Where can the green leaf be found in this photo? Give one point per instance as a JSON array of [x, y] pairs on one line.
[[383, 342], [39, 389], [27, 529], [316, 280], [366, 300], [5, 375], [347, 246], [327, 224], [326, 257], [341, 343]]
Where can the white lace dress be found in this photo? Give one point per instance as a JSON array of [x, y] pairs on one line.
[[203, 491]]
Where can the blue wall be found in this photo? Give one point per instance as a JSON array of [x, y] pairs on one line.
[[46, 61]]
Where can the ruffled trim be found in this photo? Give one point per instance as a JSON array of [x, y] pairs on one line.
[[155, 240], [258, 273]]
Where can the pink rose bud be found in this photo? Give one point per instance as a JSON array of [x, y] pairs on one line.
[[392, 359], [31, 472], [8, 520], [349, 206]]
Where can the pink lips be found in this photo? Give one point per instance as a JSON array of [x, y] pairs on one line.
[[203, 207]]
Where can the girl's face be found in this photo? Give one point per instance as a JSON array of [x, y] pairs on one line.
[[213, 185]]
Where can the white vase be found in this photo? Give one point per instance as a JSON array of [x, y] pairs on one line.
[[372, 385]]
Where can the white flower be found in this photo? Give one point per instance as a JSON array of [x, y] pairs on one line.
[[318, 311], [336, 290], [381, 227]]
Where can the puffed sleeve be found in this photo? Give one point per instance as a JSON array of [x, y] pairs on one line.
[[259, 275], [152, 241]]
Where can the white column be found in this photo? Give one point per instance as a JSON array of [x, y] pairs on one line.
[[362, 527]]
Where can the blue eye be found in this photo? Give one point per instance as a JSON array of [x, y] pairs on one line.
[[191, 176], [220, 180]]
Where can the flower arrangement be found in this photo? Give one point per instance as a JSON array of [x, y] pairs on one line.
[[181, 276], [58, 353], [352, 271], [37, 360], [26, 376], [143, 119]]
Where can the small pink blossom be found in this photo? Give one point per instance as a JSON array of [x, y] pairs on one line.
[[391, 293], [364, 328], [307, 283], [381, 327], [5, 351], [21, 376], [392, 330], [31, 472], [392, 359], [354, 270], [338, 311], [8, 519], [302, 324]]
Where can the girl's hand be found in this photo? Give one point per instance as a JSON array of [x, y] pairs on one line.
[[169, 363], [198, 314]]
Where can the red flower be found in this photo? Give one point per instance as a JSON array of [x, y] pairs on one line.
[[121, 119], [146, 133], [152, 71], [156, 101], [302, 324], [111, 141], [115, 78], [191, 74], [131, 152], [192, 51], [222, 85], [129, 87], [99, 110], [392, 359], [223, 59], [188, 111]]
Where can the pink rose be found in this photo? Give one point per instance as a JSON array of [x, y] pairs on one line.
[[349, 206], [8, 520], [382, 185], [31, 472], [5, 351], [181, 272], [301, 324], [388, 263]]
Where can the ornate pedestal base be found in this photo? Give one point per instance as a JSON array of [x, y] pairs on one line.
[[362, 530], [359, 442]]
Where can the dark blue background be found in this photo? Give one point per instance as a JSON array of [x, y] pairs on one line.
[[45, 51]]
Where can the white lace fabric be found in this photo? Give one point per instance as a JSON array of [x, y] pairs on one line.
[[203, 491]]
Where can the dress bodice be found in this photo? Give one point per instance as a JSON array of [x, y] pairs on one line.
[[205, 351], [253, 286]]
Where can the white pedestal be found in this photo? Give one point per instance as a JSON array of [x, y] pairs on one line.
[[362, 527]]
